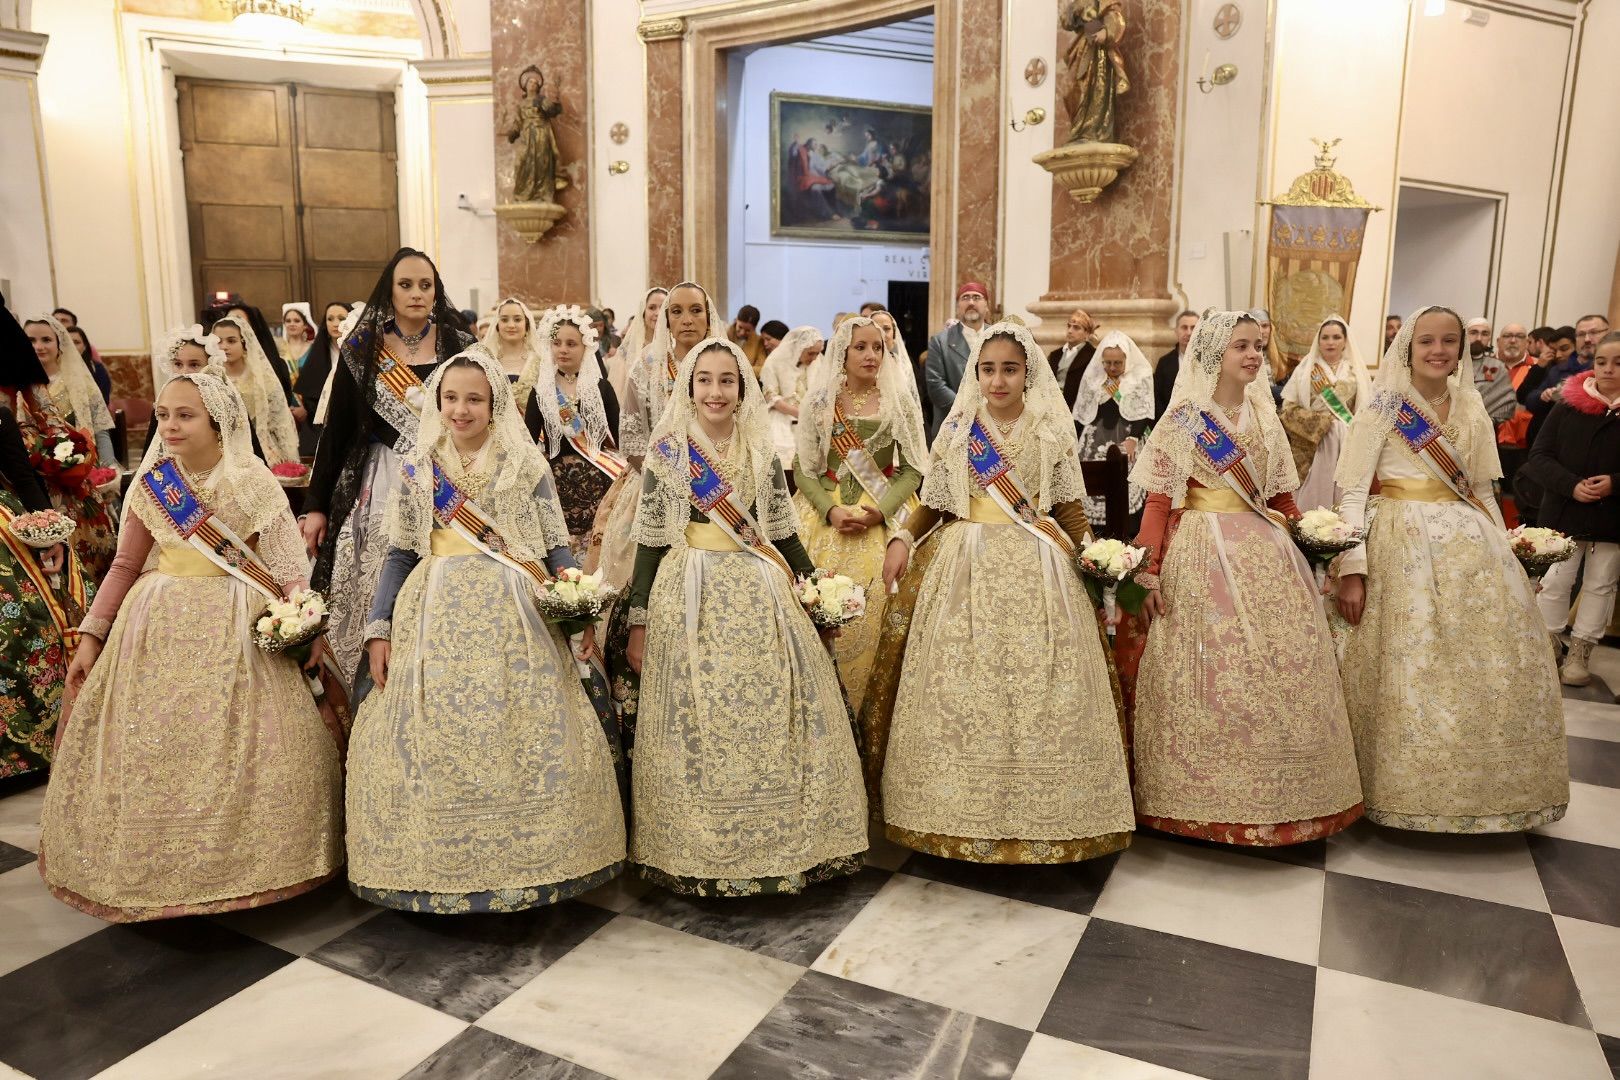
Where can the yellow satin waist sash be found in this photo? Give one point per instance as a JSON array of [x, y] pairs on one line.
[[707, 536], [186, 562], [986, 511], [450, 542], [1216, 501], [1412, 490]]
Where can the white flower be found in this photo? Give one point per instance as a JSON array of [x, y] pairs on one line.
[[63, 451], [264, 624]]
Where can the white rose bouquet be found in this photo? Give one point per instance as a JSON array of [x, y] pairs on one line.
[[1323, 535], [831, 600], [292, 624], [1539, 550], [1108, 569], [573, 600]]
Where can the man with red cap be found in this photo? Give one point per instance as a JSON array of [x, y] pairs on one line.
[[949, 349]]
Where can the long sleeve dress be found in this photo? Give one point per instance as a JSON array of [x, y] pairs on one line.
[[581, 486]]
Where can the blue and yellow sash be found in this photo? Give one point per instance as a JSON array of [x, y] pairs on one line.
[[198, 526], [1228, 459], [1430, 445], [714, 496], [611, 464], [997, 474], [457, 512]]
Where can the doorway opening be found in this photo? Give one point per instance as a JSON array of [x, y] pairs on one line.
[[1450, 239]]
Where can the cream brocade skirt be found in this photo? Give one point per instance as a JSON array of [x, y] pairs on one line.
[[481, 767], [1453, 693], [745, 765], [362, 545], [1317, 489], [196, 773], [860, 558], [1005, 725], [1240, 717]]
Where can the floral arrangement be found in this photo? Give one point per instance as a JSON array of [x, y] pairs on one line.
[[106, 479], [290, 473], [1539, 550], [1323, 535], [831, 600], [573, 600], [64, 457], [292, 624], [42, 529], [1108, 569]]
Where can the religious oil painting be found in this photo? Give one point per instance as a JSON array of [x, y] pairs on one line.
[[850, 170]]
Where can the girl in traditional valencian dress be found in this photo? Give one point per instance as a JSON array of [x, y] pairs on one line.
[[860, 448], [1319, 400], [745, 775], [193, 773], [785, 380], [1453, 692], [1005, 744], [1240, 729], [511, 340], [275, 436], [480, 778]]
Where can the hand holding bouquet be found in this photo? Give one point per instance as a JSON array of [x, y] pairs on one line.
[[64, 458], [831, 600], [1323, 535], [292, 624], [1538, 550], [1107, 568], [573, 600]]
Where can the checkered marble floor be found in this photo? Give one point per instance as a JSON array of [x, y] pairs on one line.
[[1372, 955]]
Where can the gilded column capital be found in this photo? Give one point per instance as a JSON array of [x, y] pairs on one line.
[[661, 29]]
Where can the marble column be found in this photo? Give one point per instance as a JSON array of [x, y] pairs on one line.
[[978, 177], [666, 235], [1112, 257], [551, 35]]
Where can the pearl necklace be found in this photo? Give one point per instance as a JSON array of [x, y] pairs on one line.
[[1436, 402]]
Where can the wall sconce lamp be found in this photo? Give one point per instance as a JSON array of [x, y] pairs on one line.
[[618, 168], [1032, 118], [1222, 75]]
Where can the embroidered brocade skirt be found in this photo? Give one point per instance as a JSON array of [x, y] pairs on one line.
[[480, 776], [745, 778], [860, 558], [581, 488], [1453, 692], [96, 538], [33, 664], [613, 543], [1005, 744], [1240, 734], [362, 545], [195, 774]]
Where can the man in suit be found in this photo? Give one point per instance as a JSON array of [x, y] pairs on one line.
[[1164, 372], [1069, 360], [949, 349]]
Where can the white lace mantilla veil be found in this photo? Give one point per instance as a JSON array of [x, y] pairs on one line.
[[647, 373], [901, 353], [1135, 385], [491, 341], [1297, 390], [588, 383], [633, 346], [520, 497], [663, 513], [1171, 455], [1046, 428], [1376, 418], [261, 392], [241, 490], [89, 410], [175, 337], [899, 417], [345, 328], [781, 367]]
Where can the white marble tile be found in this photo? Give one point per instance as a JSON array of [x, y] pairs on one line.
[[639, 1001], [1232, 899], [618, 894], [303, 1022], [1367, 1029], [33, 923], [19, 818], [992, 957], [7, 1072], [1593, 816], [1593, 951], [1495, 868], [1590, 720], [304, 923], [1047, 1058]]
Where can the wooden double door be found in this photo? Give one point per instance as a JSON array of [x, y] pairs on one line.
[[292, 191]]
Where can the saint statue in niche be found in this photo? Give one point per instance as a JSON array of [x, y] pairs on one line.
[[1098, 67], [534, 174]]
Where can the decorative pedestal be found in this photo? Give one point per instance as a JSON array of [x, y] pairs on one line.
[[1084, 169], [531, 220]]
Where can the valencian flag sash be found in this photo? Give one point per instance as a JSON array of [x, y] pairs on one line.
[[714, 496], [198, 526], [1228, 459], [611, 464], [997, 474], [458, 513], [73, 585], [853, 450], [1322, 386], [1430, 445], [396, 376]]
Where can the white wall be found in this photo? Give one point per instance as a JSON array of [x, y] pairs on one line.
[[618, 203], [1587, 237], [1026, 188], [795, 280], [25, 248], [1443, 254]]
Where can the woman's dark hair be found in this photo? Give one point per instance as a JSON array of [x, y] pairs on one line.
[[463, 362], [312, 376], [88, 348], [19, 367], [255, 319], [719, 346]]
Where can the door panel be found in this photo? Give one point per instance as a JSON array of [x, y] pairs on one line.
[[350, 188]]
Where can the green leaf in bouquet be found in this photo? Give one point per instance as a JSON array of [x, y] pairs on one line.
[[1130, 597], [1094, 589]]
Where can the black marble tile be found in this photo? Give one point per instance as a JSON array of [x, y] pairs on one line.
[[1581, 880], [96, 1001], [477, 1054], [13, 857], [1457, 946], [1191, 1005], [794, 929], [1594, 761], [1611, 1053], [1312, 854], [463, 965], [828, 1028], [1069, 886]]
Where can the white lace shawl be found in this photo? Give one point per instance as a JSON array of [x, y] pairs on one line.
[[1135, 385], [588, 383], [899, 416]]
